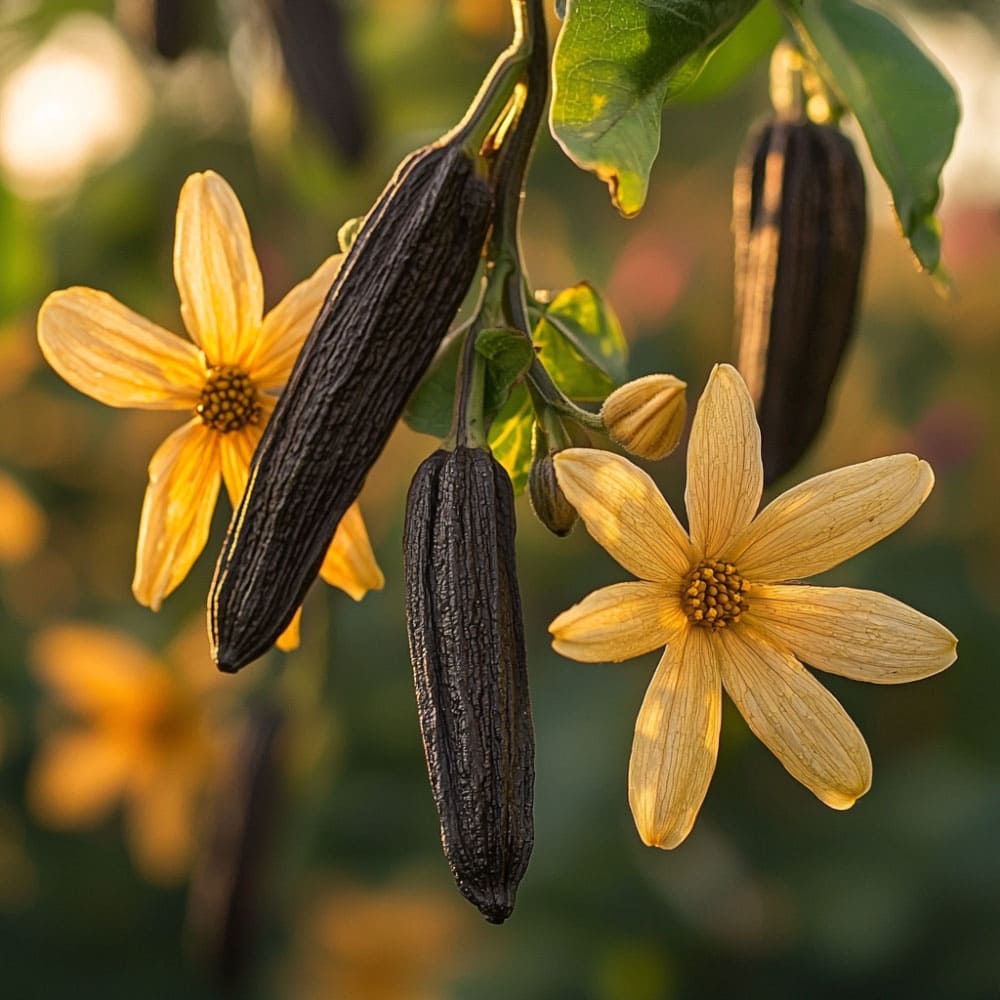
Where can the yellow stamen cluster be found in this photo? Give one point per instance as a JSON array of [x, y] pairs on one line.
[[714, 594], [228, 400]]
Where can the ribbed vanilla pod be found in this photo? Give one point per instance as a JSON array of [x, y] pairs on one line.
[[469, 668], [800, 228], [386, 313]]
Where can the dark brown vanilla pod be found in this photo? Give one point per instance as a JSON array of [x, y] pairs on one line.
[[386, 313], [229, 880], [547, 498], [467, 647], [312, 35], [800, 227]]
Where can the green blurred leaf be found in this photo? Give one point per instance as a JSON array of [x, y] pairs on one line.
[[750, 42], [510, 437], [581, 344], [905, 106], [615, 63]]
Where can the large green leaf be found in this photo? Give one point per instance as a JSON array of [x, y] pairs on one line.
[[747, 45], [615, 63], [905, 106], [510, 437], [581, 344]]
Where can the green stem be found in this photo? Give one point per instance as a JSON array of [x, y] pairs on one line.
[[497, 89]]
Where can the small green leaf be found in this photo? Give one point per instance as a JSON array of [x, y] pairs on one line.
[[510, 437], [905, 106], [508, 355], [615, 63], [348, 233], [581, 344], [429, 410], [749, 43]]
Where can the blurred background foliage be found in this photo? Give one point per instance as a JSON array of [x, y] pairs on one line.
[[143, 849]]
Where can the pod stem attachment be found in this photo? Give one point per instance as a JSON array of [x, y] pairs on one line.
[[499, 86]]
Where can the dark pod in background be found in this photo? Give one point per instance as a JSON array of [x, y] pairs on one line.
[[384, 318], [800, 227], [321, 71], [467, 647]]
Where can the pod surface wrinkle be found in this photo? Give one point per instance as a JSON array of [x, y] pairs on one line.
[[800, 226], [383, 319], [470, 673]]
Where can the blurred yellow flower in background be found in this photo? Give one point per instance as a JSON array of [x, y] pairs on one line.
[[719, 600], [228, 379], [143, 735], [398, 942], [22, 523]]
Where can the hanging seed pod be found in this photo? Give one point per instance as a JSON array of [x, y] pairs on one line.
[[547, 498], [386, 313], [321, 71], [800, 227], [467, 647]]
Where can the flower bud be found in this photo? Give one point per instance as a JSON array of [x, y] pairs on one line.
[[646, 416], [463, 617], [547, 498]]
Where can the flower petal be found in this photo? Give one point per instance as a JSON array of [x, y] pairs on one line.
[[830, 518], [94, 670], [222, 294], [161, 818], [77, 777], [177, 511], [676, 741], [795, 717], [855, 633], [289, 639], [625, 513], [725, 475], [350, 562], [115, 355], [236, 451], [287, 325], [618, 622]]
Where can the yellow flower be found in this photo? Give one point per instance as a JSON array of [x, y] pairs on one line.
[[724, 603], [143, 735], [228, 379]]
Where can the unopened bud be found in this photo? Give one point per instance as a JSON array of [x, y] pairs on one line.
[[646, 416], [547, 498]]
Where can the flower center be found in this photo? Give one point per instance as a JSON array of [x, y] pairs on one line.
[[228, 400], [714, 594]]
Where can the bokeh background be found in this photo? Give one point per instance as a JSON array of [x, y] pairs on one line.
[[128, 866]]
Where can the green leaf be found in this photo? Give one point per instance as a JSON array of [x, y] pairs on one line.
[[749, 43], [508, 355], [905, 106], [429, 409], [348, 233], [615, 63], [581, 344], [510, 437]]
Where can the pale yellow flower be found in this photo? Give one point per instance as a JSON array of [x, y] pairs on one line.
[[726, 603], [228, 379], [141, 734]]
